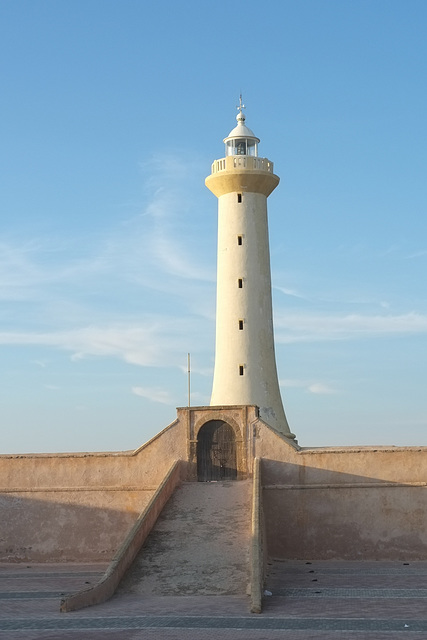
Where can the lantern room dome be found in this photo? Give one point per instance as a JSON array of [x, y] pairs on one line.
[[241, 140], [241, 131]]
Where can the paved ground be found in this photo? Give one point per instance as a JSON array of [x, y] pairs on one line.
[[318, 601]]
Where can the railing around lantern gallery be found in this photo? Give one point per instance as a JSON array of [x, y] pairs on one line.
[[248, 163]]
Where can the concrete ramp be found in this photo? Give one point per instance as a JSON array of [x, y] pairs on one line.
[[199, 545]]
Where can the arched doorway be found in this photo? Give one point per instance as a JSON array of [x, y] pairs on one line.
[[216, 452]]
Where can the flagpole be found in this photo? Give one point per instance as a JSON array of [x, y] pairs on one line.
[[189, 373]]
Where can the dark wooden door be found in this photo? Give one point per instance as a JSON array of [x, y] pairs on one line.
[[216, 452]]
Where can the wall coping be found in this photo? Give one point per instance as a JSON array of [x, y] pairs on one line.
[[361, 449], [90, 454]]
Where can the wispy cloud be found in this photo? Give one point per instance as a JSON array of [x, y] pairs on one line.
[[172, 257], [318, 388], [40, 363], [115, 295], [146, 344], [321, 389], [202, 371], [396, 251], [291, 292], [392, 249], [28, 267], [291, 327], [159, 240], [199, 399], [155, 394], [69, 283], [417, 254], [293, 384]]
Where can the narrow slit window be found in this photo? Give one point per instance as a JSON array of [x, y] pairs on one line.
[[241, 325], [240, 283], [240, 240], [239, 198], [241, 369]]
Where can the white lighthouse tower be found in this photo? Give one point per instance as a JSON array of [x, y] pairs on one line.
[[245, 363]]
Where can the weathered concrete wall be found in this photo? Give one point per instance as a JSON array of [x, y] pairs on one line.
[[344, 503], [79, 507], [144, 467], [372, 523], [129, 548], [66, 526], [352, 503]]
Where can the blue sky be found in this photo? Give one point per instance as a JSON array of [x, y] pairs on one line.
[[111, 114]]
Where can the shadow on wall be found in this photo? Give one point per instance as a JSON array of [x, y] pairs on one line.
[[329, 515], [83, 526]]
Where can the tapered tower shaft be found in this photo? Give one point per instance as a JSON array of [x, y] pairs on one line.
[[245, 364]]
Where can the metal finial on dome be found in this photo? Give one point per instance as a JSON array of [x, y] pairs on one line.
[[240, 116], [241, 140]]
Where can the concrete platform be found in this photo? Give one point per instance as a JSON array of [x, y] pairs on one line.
[[309, 601]]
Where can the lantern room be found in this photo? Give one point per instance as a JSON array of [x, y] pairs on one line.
[[241, 141]]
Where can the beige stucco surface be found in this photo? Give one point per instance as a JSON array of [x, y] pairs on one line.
[[343, 503], [79, 507], [245, 365], [144, 467], [66, 526], [240, 180], [352, 503], [347, 523]]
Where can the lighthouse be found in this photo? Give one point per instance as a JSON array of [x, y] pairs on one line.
[[245, 363]]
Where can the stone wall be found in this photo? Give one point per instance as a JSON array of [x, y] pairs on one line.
[[79, 507], [353, 503]]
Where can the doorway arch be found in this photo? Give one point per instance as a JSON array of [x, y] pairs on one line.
[[216, 452]]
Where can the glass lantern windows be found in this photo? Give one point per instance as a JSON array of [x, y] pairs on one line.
[[241, 147], [252, 148]]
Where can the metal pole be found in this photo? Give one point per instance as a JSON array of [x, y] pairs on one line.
[[188, 371]]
